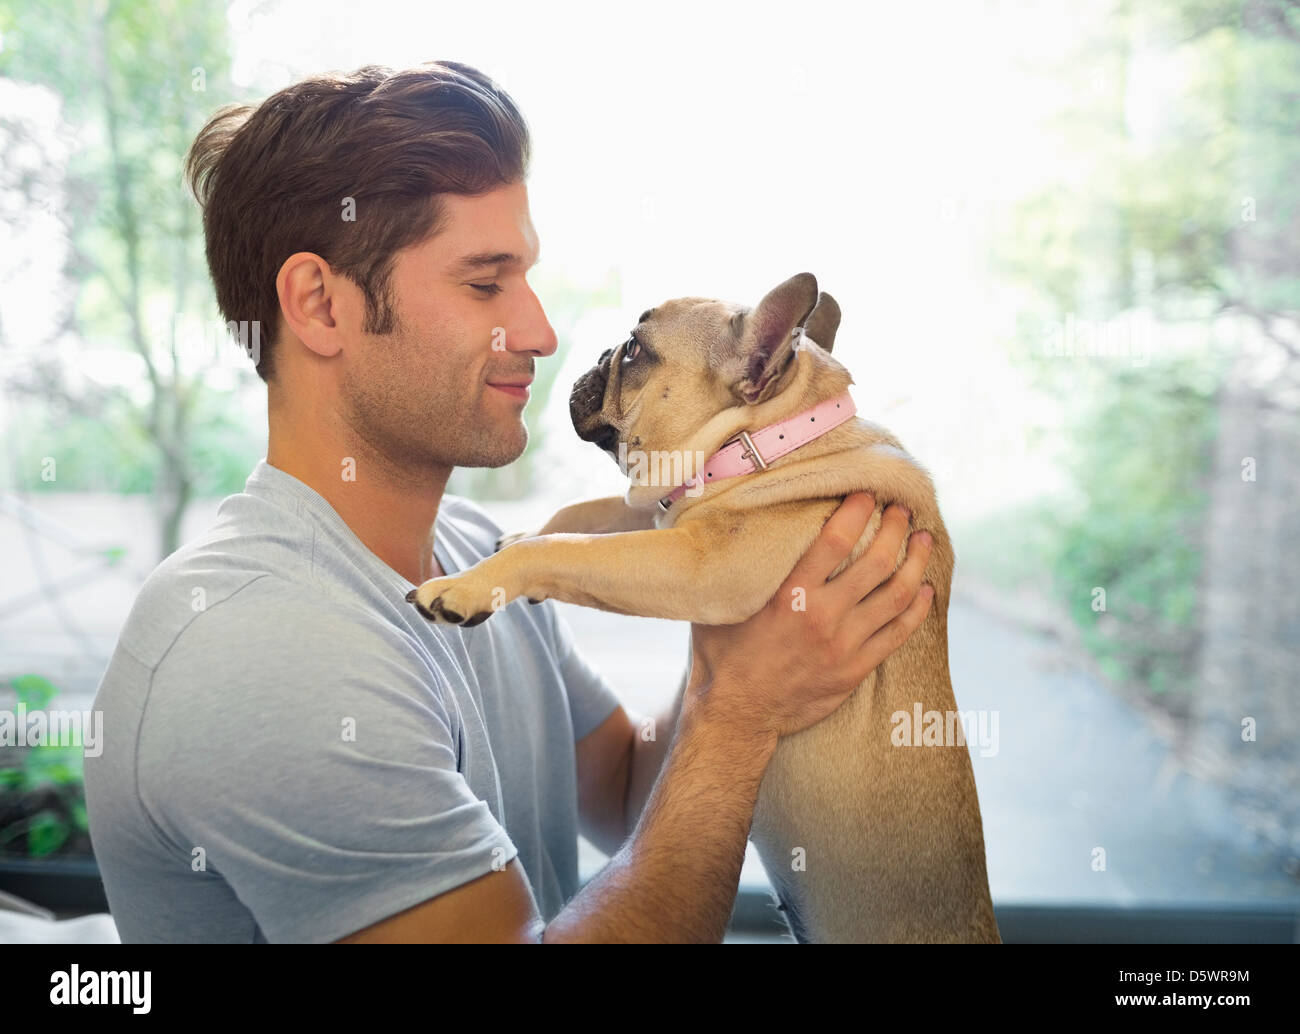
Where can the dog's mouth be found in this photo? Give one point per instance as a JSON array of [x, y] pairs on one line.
[[603, 436]]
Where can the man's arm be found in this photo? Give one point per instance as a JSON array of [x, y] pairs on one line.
[[675, 880], [618, 763], [776, 673], [648, 756]]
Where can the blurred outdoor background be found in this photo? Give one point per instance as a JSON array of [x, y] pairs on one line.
[[1065, 236]]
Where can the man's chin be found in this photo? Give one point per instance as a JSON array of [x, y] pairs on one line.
[[500, 451]]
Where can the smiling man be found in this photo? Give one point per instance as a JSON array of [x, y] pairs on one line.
[[291, 753]]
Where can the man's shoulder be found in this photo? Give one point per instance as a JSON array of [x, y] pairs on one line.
[[251, 543], [270, 617], [182, 590], [240, 615], [281, 656]]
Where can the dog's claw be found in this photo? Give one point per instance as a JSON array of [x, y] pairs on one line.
[[439, 614], [425, 612]]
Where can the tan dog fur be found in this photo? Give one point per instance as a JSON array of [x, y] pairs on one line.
[[891, 835]]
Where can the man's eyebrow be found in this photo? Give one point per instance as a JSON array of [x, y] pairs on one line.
[[482, 259]]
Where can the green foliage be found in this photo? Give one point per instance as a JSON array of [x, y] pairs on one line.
[[1187, 212], [51, 765], [41, 765], [46, 833], [107, 453], [112, 453], [33, 691], [1140, 462], [125, 74], [50, 774], [1137, 445], [136, 80], [1182, 212]]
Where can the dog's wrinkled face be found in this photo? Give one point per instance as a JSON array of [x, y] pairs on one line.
[[691, 358]]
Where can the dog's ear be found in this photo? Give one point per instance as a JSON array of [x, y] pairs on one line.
[[767, 336], [824, 321]]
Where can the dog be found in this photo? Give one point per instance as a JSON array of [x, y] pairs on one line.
[[890, 830]]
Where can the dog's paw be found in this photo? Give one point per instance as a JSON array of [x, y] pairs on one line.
[[457, 600], [510, 538]]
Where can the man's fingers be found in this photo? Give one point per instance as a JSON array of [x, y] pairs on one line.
[[895, 632], [835, 541], [878, 560], [891, 598]]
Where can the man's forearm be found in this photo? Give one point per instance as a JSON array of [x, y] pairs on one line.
[[675, 879], [648, 756]]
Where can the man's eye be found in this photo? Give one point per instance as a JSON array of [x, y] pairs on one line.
[[632, 350], [488, 288]]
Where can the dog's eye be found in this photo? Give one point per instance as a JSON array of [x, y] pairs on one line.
[[632, 349]]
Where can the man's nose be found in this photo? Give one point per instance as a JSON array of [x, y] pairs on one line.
[[531, 330]]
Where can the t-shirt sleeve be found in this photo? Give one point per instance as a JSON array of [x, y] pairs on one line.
[[311, 753], [591, 698]]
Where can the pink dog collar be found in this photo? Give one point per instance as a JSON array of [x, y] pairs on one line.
[[747, 453]]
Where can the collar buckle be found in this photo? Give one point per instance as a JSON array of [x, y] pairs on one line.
[[750, 451]]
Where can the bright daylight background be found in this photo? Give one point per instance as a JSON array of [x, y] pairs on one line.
[[988, 189]]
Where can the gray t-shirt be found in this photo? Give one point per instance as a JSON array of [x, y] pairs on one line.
[[292, 753]]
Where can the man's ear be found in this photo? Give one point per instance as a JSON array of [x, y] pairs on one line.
[[767, 336], [307, 288], [824, 322]]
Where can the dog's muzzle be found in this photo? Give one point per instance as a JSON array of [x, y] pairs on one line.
[[586, 402]]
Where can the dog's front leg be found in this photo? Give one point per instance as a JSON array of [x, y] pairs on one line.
[[715, 571], [590, 517]]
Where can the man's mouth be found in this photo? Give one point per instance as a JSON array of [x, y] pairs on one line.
[[516, 389]]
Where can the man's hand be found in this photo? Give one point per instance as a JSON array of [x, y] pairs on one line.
[[785, 669], [780, 671]]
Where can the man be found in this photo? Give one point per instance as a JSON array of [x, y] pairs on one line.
[[292, 753]]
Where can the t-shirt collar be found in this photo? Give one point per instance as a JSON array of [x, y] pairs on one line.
[[266, 479]]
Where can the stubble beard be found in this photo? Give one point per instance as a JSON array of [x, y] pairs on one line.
[[456, 424]]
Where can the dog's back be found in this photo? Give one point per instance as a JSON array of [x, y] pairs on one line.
[[867, 833]]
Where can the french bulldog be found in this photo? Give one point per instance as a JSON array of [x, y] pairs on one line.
[[891, 838]]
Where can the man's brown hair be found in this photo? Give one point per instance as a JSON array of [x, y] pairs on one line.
[[272, 180]]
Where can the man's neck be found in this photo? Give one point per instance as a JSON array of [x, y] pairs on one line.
[[392, 514]]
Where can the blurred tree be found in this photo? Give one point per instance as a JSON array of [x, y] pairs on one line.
[[1181, 132], [1177, 201], [137, 79], [1176, 208]]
